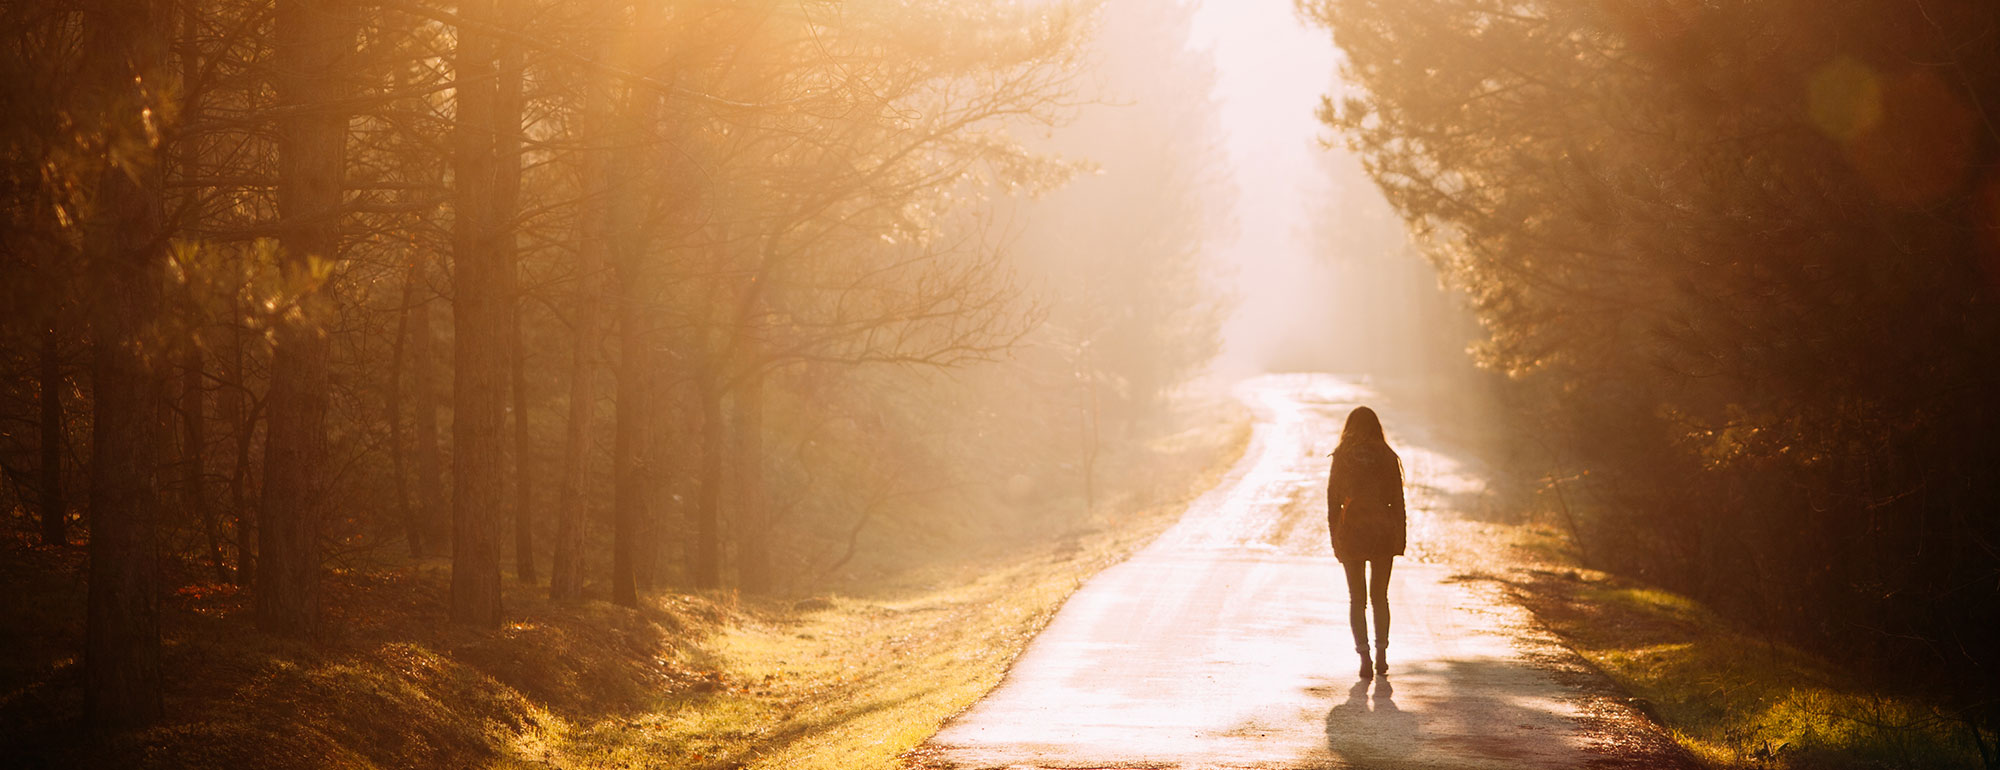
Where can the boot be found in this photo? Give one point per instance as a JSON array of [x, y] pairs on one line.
[[1367, 666], [1381, 658]]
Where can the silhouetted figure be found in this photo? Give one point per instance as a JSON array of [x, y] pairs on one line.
[[1367, 522]]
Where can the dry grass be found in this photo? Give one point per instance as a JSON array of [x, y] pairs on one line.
[[855, 681], [849, 680]]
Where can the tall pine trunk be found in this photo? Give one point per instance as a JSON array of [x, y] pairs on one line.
[[753, 529], [753, 522], [194, 459], [433, 516], [233, 405], [313, 38], [194, 375], [50, 500], [635, 400], [479, 320], [707, 519], [629, 442], [122, 647], [524, 453], [566, 573], [507, 201], [431, 519], [124, 250], [392, 408], [54, 509]]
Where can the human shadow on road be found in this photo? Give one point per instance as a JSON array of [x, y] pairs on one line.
[[1484, 713], [1368, 730]]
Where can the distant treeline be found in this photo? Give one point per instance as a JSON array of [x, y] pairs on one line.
[[635, 295], [1740, 262]]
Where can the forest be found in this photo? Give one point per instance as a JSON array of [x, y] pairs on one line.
[[575, 300], [1738, 263], [499, 382]]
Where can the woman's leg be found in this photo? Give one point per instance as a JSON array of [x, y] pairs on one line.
[[1378, 592], [1357, 603]]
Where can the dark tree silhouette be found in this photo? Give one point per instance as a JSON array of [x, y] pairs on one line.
[[1736, 260], [314, 38], [479, 318], [124, 245]]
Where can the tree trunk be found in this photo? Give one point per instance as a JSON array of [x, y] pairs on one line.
[[233, 404], [707, 521], [124, 251], [55, 510], [647, 540], [753, 527], [194, 396], [392, 407], [566, 578], [194, 459], [122, 648], [479, 321], [524, 452], [433, 516], [312, 38], [507, 197], [629, 442], [635, 401], [1094, 443]]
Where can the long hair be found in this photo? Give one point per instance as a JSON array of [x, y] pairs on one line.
[[1361, 439]]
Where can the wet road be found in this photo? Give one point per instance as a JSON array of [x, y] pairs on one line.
[[1224, 643]]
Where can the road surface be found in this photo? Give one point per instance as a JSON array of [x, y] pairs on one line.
[[1224, 643]]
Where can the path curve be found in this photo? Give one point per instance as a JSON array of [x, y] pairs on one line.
[[1224, 644]]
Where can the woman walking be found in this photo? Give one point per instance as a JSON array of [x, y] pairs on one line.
[[1367, 522]]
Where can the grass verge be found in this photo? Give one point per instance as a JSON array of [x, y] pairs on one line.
[[857, 681], [1732, 699]]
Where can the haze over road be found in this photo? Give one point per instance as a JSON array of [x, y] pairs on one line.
[[1224, 644]]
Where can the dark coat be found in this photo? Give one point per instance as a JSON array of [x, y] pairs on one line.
[[1364, 505]]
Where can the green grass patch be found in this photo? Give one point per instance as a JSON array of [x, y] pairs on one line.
[[1734, 700]]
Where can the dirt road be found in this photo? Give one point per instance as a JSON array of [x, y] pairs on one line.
[[1224, 643]]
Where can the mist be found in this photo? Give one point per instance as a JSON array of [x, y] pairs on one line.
[[790, 383], [1269, 69], [1322, 271]]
